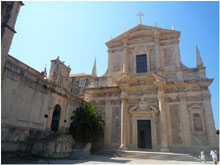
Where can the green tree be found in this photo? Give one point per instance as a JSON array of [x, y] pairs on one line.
[[87, 124]]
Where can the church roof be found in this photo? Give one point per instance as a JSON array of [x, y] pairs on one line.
[[79, 75], [144, 31]]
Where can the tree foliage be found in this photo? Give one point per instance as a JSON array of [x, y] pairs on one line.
[[87, 124]]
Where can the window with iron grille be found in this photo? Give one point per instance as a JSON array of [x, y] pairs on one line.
[[141, 63]]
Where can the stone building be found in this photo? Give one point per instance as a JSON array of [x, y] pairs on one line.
[[147, 97], [36, 109]]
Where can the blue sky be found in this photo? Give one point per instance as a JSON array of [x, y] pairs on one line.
[[77, 33]]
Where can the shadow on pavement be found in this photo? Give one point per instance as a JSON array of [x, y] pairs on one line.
[[39, 160]]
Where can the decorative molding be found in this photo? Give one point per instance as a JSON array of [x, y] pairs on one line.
[[143, 107], [195, 107], [158, 77], [124, 95], [143, 110], [199, 133]]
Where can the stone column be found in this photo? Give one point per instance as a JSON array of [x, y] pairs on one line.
[[185, 121], [124, 99], [210, 125], [163, 122]]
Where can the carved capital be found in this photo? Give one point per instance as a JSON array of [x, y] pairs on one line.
[[156, 35], [160, 96], [125, 42], [182, 95], [124, 95], [108, 101], [125, 45], [88, 98], [110, 50]]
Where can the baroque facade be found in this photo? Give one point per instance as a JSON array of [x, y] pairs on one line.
[[147, 97]]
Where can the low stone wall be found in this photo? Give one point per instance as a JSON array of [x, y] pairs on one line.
[[59, 147], [15, 139], [19, 141]]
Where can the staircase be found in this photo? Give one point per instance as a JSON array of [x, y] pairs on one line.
[[147, 155]]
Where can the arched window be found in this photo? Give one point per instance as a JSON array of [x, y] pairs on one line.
[[197, 122], [56, 118]]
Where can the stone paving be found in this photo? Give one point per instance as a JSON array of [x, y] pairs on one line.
[[94, 159]]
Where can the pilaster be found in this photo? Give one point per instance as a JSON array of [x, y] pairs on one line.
[[110, 61], [157, 53], [210, 125], [125, 63], [124, 99], [163, 122], [177, 52], [185, 120], [179, 74]]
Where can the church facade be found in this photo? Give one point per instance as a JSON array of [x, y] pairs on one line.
[[148, 98]]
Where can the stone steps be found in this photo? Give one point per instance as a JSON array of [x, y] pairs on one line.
[[80, 155], [147, 155]]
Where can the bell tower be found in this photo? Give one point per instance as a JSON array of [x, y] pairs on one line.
[[59, 74], [9, 13]]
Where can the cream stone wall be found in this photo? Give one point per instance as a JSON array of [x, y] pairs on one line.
[[24, 98], [28, 102], [175, 99], [169, 94]]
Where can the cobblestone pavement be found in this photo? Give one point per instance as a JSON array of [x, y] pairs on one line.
[[94, 160]]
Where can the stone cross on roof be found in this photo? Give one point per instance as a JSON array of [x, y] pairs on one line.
[[140, 17]]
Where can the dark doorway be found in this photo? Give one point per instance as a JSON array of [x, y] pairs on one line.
[[56, 118], [144, 134]]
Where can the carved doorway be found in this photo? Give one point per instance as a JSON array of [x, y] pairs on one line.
[[55, 118], [144, 134]]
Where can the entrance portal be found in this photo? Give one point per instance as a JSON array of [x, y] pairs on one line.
[[144, 134], [56, 118]]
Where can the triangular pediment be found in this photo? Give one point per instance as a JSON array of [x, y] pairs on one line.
[[195, 107], [141, 31]]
